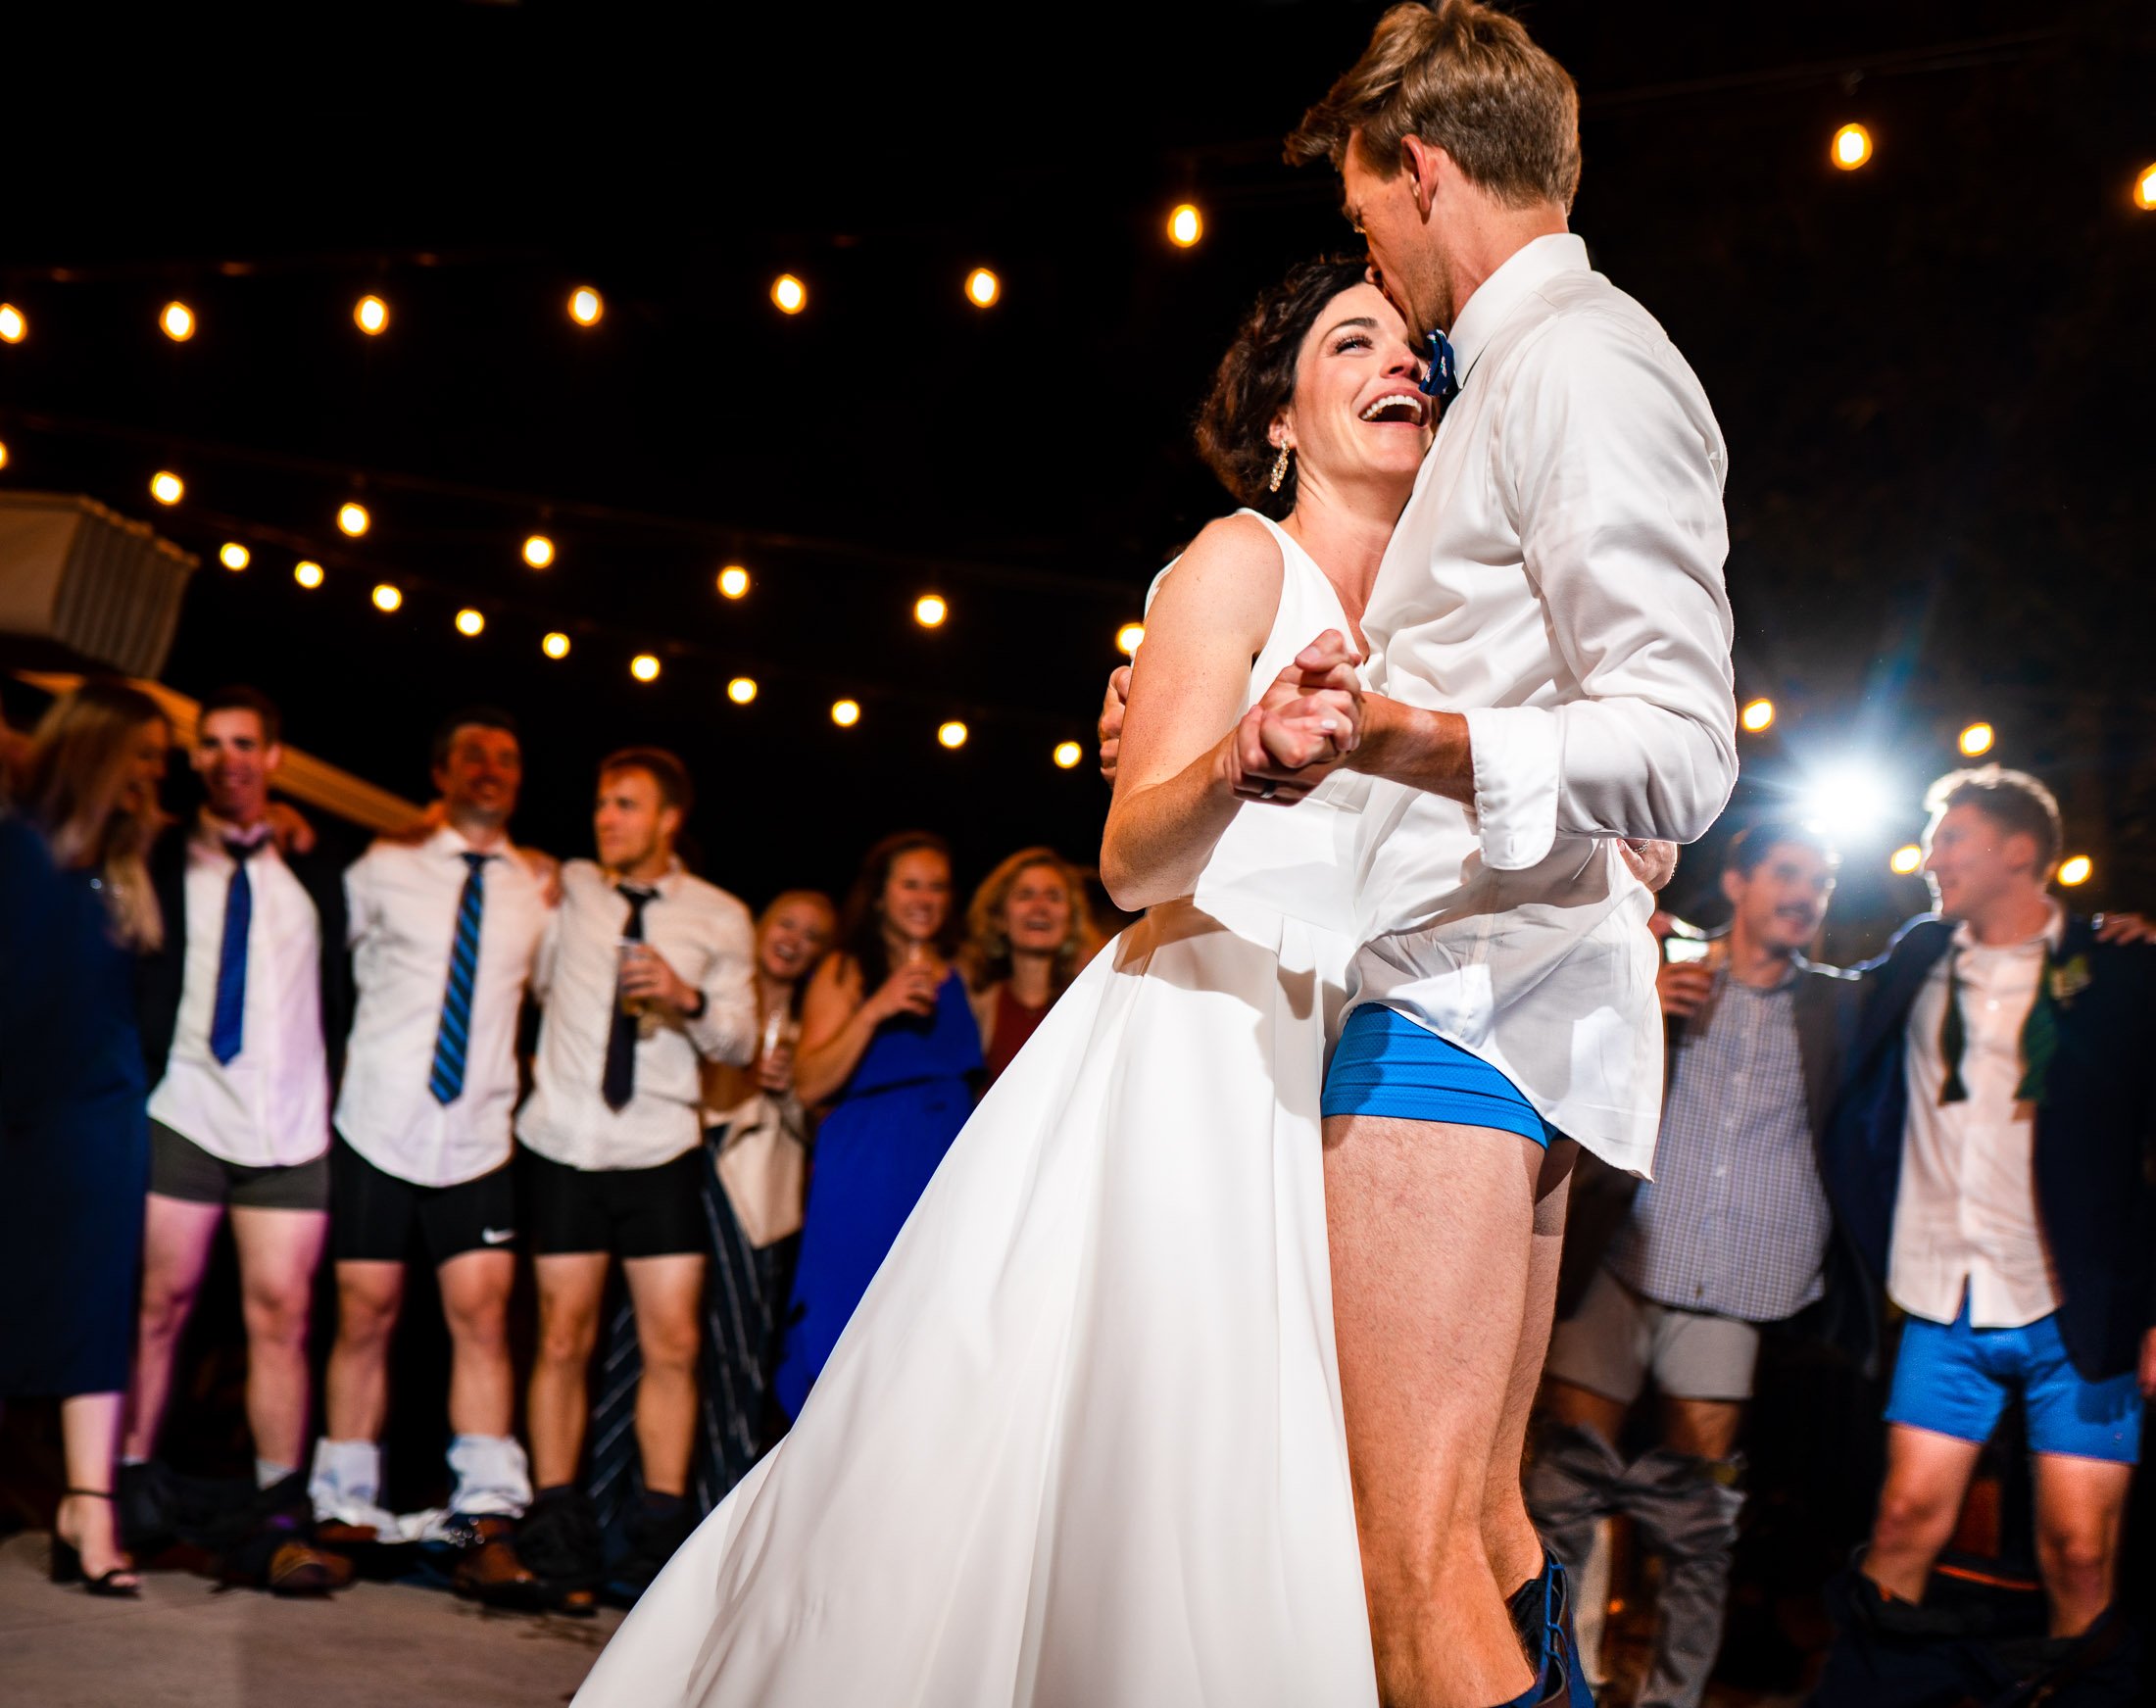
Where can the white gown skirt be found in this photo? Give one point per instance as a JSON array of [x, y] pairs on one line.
[[1081, 1445]]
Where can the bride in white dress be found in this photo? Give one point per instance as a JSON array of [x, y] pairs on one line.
[[1081, 1445]]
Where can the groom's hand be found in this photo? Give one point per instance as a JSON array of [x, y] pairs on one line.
[[1653, 863], [1110, 726]]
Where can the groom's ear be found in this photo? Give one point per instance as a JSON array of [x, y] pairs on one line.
[[1419, 159]]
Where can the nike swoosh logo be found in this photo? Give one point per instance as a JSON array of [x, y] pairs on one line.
[[497, 1236]]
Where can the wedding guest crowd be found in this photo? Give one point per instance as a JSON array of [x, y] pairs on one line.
[[220, 1022], [726, 1121]]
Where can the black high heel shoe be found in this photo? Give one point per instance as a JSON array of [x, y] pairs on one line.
[[66, 1559]]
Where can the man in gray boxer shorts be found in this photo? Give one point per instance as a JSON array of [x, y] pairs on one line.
[[1732, 1232]]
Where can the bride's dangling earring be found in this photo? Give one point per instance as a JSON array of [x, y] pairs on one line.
[[1280, 468]]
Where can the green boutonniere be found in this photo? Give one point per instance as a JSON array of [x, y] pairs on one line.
[[2069, 980]]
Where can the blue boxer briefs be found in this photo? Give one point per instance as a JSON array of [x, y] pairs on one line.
[[1388, 1066], [1954, 1380]]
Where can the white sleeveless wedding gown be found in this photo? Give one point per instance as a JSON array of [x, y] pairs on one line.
[[1081, 1445]]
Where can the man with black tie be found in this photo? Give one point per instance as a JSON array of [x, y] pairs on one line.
[[443, 933], [645, 972], [243, 1011]]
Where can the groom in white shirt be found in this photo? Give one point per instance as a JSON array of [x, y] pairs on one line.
[[1550, 638]]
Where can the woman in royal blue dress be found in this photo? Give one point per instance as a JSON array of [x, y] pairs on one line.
[[887, 1035]]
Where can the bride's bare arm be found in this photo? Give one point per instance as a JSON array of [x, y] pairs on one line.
[[1175, 772]]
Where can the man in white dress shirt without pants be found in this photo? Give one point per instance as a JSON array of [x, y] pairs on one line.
[[1994, 1156], [241, 1009], [1550, 630], [645, 972], [444, 931]]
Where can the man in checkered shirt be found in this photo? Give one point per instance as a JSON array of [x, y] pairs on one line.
[[1732, 1232]]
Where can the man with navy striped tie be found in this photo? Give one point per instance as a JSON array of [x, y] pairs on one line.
[[443, 933]]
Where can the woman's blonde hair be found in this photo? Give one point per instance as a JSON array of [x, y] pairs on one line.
[[986, 957], [77, 770]]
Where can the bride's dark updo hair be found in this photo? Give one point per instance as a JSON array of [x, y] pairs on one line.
[[1258, 380]]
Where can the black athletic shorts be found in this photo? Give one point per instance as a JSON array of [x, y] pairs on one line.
[[631, 1212], [179, 1168], [380, 1218]]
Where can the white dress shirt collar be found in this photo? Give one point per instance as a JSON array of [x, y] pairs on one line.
[[211, 829], [2051, 936], [1524, 271]]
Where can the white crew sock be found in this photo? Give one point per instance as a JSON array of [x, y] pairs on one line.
[[268, 1473], [347, 1475], [493, 1476]]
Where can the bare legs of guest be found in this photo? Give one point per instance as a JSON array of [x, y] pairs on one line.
[[278, 1250]]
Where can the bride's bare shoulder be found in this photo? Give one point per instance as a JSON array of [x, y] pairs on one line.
[[1228, 577]]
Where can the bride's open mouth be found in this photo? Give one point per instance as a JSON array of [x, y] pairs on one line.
[[1406, 407]]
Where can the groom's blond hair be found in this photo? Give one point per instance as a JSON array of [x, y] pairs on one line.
[[1464, 77]]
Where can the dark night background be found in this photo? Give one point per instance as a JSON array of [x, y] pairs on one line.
[[1934, 374]]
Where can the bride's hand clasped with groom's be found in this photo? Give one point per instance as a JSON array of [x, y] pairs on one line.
[[1303, 727]]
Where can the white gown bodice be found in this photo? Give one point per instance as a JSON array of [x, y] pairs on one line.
[[1294, 862]]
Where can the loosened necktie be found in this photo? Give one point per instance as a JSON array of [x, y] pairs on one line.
[[229, 1019], [453, 1039], [618, 1082], [1442, 380], [2039, 1037]]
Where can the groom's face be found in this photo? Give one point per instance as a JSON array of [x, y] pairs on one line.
[[1385, 213]]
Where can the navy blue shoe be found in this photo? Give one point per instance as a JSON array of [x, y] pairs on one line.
[[1541, 1615]]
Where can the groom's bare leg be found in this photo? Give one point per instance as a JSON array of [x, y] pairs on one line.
[[1508, 1535], [1429, 1226]]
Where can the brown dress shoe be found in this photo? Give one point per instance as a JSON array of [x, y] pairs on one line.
[[296, 1569], [489, 1571]]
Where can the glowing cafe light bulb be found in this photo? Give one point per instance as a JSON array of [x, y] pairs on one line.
[[555, 644], [1852, 147], [1906, 859], [1186, 225], [952, 734], [3, 454], [354, 519], [388, 598], [846, 713], [166, 487], [234, 556], [538, 551], [370, 314], [1977, 739], [733, 581], [177, 321], [308, 573], [14, 328], [788, 293], [1757, 717], [982, 288], [741, 689], [1067, 756], [2144, 198], [469, 622], [930, 610], [2076, 870], [1129, 638], [586, 306], [645, 667]]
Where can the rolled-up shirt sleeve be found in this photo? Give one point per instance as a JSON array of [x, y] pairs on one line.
[[726, 1030], [1611, 464]]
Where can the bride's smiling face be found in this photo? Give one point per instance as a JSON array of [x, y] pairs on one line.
[[1356, 418]]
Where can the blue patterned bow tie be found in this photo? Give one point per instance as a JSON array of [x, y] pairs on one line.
[[1443, 381]]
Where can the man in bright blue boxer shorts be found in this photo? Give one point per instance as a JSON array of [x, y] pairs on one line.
[[1548, 674], [1989, 1161]]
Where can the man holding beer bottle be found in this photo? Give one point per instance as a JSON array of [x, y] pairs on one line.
[[644, 972]]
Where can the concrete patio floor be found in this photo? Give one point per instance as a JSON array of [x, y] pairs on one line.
[[187, 1644]]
